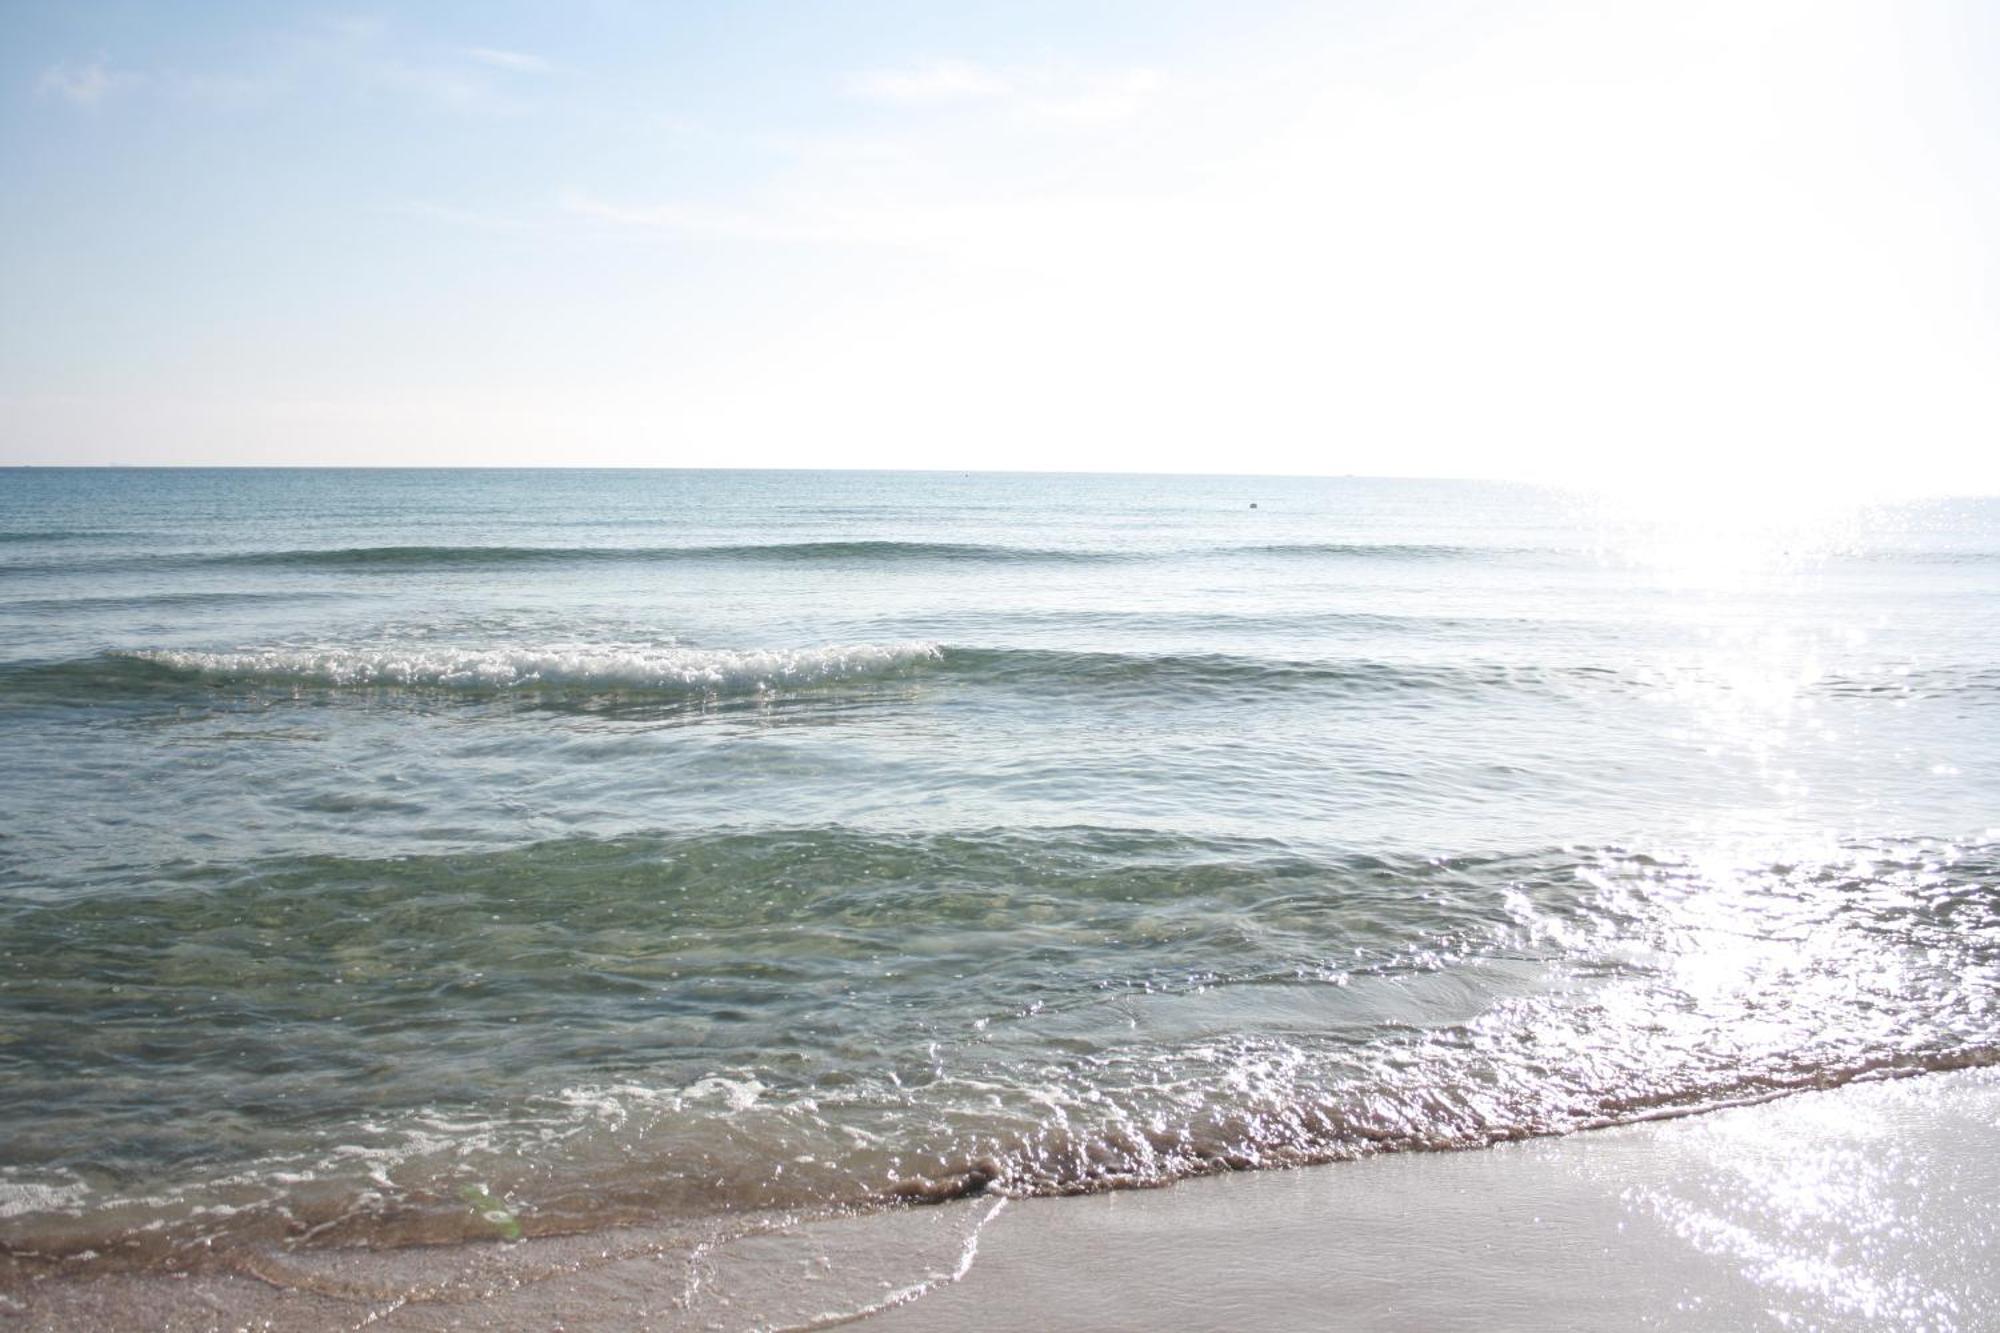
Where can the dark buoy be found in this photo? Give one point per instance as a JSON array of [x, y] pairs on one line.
[[1253, 504]]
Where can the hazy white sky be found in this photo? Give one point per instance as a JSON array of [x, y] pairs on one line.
[[1672, 244]]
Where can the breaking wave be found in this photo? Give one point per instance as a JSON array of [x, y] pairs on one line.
[[678, 671], [1196, 1005], [674, 670]]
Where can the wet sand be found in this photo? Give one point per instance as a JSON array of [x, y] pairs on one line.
[[1874, 1206], [1871, 1206]]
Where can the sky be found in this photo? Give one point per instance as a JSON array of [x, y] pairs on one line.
[[1682, 245]]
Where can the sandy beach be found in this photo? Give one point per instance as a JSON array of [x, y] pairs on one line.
[[1874, 1206], [1130, 666], [1871, 1206]]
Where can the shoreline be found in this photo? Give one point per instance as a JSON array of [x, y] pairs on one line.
[[1873, 1203]]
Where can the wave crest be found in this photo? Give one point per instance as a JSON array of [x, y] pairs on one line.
[[677, 670], [394, 558]]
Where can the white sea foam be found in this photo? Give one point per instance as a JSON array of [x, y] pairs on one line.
[[21, 1196], [734, 1094], [591, 666]]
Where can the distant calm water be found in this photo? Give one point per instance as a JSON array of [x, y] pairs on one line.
[[396, 856]]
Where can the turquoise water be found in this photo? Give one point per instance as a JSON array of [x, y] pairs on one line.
[[417, 856]]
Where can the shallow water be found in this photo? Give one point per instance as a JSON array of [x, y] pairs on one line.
[[418, 856]]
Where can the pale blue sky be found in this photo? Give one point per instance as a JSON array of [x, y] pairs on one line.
[[1546, 239]]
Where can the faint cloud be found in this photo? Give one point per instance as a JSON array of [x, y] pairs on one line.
[[974, 186], [89, 86], [936, 81], [373, 56], [1100, 98], [225, 92], [349, 29], [83, 85], [447, 215], [1044, 93], [984, 228], [833, 150], [448, 87], [696, 220], [519, 62]]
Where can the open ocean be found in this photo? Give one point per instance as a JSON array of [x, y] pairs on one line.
[[417, 856]]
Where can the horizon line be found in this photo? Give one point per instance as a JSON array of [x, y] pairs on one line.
[[1578, 487]]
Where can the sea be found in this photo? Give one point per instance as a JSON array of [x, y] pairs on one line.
[[413, 858]]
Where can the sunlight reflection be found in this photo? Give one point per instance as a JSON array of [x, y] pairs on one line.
[[1721, 539], [1815, 1199], [1749, 658]]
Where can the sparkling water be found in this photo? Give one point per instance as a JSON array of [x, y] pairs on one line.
[[416, 856]]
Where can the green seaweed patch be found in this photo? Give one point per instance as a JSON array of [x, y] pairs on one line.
[[492, 1211]]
